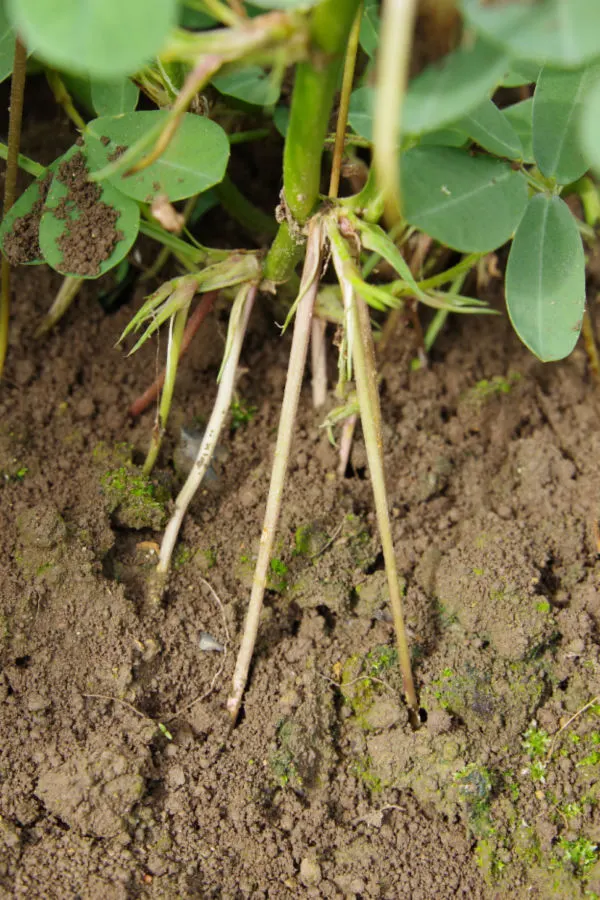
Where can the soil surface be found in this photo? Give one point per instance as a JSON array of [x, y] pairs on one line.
[[119, 776]]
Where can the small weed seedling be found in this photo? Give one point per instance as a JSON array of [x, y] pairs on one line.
[[450, 177]]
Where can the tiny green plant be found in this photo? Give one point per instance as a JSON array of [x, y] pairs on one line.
[[447, 163]]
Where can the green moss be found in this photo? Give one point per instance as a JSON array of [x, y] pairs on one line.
[[492, 387], [136, 500], [579, 855], [183, 555], [241, 414], [474, 784], [277, 580], [302, 541], [543, 606], [362, 769]]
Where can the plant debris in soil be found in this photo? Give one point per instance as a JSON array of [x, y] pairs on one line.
[[91, 234], [21, 244]]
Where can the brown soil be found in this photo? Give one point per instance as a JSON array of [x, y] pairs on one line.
[[119, 777]]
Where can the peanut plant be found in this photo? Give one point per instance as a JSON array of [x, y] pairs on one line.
[[476, 151]]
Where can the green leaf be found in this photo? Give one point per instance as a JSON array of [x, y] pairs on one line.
[[369, 28], [375, 239], [285, 4], [7, 44], [441, 94], [468, 203], [558, 103], [106, 38], [489, 127], [251, 84], [19, 231], [112, 98], [521, 73], [195, 160], [86, 228], [545, 279], [562, 33], [445, 137], [520, 116], [590, 127]]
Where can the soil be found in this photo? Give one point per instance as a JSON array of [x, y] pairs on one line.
[[119, 775]]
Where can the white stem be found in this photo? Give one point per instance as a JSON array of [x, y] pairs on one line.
[[289, 407], [222, 405], [318, 357]]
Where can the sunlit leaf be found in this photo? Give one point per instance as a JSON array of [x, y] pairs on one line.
[[472, 204], [545, 279], [250, 84], [195, 160], [489, 127], [520, 116]]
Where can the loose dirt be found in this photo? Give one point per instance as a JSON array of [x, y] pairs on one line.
[[119, 776]]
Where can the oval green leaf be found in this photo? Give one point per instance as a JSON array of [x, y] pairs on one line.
[[441, 94], [545, 279], [554, 32], [369, 28], [195, 160], [489, 127], [558, 104], [250, 84], [106, 38], [520, 116], [113, 98], [472, 204], [86, 228], [590, 127], [20, 228]]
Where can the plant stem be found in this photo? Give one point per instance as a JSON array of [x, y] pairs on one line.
[[393, 59], [63, 98], [176, 330], [250, 217], [244, 301], [289, 407], [193, 324], [318, 348], [365, 373], [17, 90], [28, 165], [66, 294], [591, 348], [347, 82], [284, 253]]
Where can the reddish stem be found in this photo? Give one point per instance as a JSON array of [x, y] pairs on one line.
[[193, 324]]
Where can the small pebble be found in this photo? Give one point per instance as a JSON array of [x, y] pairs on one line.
[[209, 644]]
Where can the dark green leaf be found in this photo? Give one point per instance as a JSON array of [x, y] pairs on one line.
[[86, 228], [251, 84], [490, 128], [112, 98], [557, 107], [472, 204], [545, 279], [369, 28], [106, 38], [554, 32], [195, 160]]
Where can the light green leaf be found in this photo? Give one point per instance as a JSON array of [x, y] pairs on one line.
[[520, 117], [82, 234], [7, 44], [375, 239], [195, 160], [562, 33], [106, 38], [489, 127], [441, 94], [112, 98], [251, 84], [558, 103], [445, 137], [369, 28], [545, 279], [285, 4], [472, 204], [590, 127], [521, 73]]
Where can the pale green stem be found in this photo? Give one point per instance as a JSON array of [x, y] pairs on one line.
[[245, 302], [176, 330], [365, 373], [66, 294], [393, 59], [289, 407]]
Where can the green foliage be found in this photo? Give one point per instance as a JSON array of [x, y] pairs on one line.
[[194, 161], [250, 84], [106, 38], [113, 98], [580, 854], [241, 414]]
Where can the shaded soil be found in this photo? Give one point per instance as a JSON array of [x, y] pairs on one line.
[[119, 777]]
